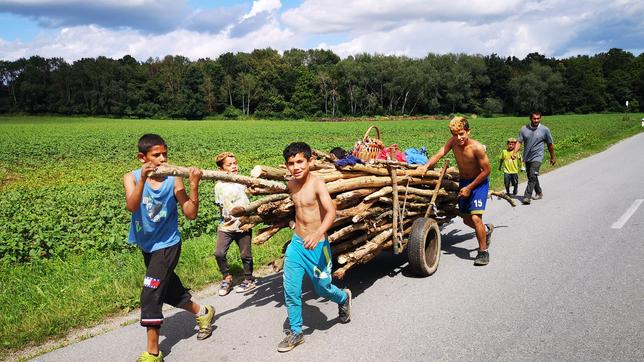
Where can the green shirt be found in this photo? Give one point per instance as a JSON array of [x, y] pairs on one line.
[[510, 165]]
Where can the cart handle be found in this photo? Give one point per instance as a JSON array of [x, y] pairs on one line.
[[432, 203]]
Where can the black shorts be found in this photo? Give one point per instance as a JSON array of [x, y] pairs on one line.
[[161, 285]]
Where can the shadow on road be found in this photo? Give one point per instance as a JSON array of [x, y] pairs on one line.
[[269, 291], [361, 277], [449, 240], [176, 328]]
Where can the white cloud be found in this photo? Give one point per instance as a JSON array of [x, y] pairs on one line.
[[418, 39], [91, 41], [260, 6], [359, 16], [549, 27]]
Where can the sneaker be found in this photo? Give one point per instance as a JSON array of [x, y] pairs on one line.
[[246, 286], [205, 323], [488, 233], [526, 201], [514, 193], [344, 310], [482, 258], [225, 287], [147, 357], [537, 197], [290, 341]]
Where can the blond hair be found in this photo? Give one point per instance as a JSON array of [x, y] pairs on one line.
[[458, 124], [219, 159]]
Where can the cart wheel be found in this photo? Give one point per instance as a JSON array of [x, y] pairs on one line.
[[424, 249]]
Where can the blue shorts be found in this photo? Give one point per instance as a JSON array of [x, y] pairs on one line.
[[475, 204]]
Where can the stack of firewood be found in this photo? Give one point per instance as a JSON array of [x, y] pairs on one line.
[[370, 199]]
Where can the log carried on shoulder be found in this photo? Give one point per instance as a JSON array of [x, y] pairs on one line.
[[171, 170]]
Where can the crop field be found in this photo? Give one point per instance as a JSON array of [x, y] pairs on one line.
[[64, 257]]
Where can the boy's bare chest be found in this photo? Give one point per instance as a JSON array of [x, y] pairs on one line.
[[305, 197], [464, 154]]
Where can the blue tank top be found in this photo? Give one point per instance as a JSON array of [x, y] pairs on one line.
[[155, 225]]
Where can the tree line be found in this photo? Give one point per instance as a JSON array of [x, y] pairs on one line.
[[318, 83]]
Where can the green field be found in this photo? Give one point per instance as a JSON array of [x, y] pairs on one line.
[[64, 259]]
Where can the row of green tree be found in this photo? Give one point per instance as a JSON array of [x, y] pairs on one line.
[[305, 83]]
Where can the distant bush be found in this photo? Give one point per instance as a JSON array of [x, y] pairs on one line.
[[232, 113], [290, 113], [491, 106]]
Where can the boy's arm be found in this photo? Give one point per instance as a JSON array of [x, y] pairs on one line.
[[134, 190], [189, 205], [517, 147], [484, 164], [311, 240], [437, 156]]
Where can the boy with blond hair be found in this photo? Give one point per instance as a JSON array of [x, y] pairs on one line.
[[154, 228], [229, 195], [474, 169], [309, 251], [510, 167]]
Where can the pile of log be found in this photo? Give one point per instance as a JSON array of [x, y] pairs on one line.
[[376, 203], [370, 199]]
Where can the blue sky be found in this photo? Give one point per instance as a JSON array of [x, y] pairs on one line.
[[73, 29]]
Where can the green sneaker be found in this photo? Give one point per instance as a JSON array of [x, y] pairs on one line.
[[290, 341], [205, 323], [146, 357]]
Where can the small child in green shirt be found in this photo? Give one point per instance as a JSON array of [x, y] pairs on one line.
[[510, 167]]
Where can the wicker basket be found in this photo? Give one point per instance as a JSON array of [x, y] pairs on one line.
[[368, 148]]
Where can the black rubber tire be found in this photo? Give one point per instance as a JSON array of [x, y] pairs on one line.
[[424, 248]]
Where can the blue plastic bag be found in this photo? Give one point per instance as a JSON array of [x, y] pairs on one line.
[[416, 156]]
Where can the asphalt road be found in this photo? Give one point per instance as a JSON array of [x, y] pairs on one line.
[[564, 283]]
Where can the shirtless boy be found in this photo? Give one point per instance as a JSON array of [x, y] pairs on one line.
[[474, 169], [309, 251]]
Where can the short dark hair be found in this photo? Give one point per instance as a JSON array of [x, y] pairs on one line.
[[297, 147], [339, 153], [535, 113], [150, 140]]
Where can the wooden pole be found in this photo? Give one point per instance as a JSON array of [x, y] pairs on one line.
[[238, 211], [432, 204], [171, 170]]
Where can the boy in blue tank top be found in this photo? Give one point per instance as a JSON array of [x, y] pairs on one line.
[[474, 169], [154, 228]]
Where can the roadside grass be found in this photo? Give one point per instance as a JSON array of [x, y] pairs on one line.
[[45, 299], [72, 168]]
